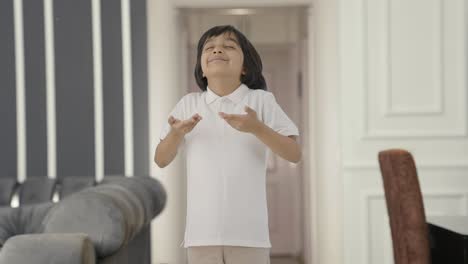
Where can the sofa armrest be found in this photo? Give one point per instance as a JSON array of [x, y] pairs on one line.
[[111, 214], [48, 249]]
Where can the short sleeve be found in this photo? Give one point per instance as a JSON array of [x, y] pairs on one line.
[[276, 118], [177, 112]]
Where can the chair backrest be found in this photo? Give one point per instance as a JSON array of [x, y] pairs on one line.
[[405, 207]]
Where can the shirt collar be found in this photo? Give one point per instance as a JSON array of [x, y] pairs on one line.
[[236, 96]]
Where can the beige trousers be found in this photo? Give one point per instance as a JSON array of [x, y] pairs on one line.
[[228, 255]]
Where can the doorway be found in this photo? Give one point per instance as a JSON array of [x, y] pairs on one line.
[[280, 36]]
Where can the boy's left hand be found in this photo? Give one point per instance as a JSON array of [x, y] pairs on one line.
[[245, 123]]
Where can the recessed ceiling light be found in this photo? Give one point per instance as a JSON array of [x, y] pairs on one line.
[[240, 11]]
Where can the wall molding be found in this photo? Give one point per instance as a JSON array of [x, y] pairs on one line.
[[370, 133], [438, 107], [369, 196], [369, 165]]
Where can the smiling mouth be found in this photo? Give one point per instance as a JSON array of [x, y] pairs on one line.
[[217, 59]]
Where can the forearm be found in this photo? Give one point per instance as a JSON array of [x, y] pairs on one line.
[[283, 146], [166, 150]]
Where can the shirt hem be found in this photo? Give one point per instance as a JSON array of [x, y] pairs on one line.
[[217, 242]]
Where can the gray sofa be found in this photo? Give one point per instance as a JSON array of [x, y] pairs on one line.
[[107, 222]]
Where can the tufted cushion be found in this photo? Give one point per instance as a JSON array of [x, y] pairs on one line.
[[7, 224], [36, 190], [128, 203], [111, 213], [22, 220], [92, 213], [150, 192], [155, 190]]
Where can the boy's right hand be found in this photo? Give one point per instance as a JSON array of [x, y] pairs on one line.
[[182, 127]]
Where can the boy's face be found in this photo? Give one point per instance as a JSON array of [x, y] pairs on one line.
[[222, 57]]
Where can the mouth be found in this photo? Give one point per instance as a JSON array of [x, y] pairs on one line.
[[216, 59]]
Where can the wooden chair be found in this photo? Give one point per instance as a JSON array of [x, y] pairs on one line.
[[410, 235]]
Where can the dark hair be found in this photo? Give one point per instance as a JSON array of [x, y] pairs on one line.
[[253, 77]]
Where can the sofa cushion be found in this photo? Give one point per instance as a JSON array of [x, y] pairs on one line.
[[150, 192], [91, 213], [8, 219], [36, 190], [22, 220], [128, 203]]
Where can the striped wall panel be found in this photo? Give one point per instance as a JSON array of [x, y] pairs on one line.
[[83, 88], [74, 87], [8, 155], [112, 87], [140, 84], [35, 88]]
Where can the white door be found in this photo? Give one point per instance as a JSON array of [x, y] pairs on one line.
[[403, 68]]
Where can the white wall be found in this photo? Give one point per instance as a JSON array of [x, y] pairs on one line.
[[165, 90], [403, 84]]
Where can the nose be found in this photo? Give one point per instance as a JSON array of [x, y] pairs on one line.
[[217, 50]]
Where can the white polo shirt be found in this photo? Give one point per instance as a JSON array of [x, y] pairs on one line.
[[226, 168]]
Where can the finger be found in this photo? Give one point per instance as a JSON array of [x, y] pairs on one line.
[[191, 121], [188, 122], [191, 125], [233, 116], [248, 109], [196, 117], [226, 116], [172, 120]]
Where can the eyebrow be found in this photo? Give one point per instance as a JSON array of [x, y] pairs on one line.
[[228, 38]]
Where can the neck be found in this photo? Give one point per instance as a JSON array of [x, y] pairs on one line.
[[223, 86]]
